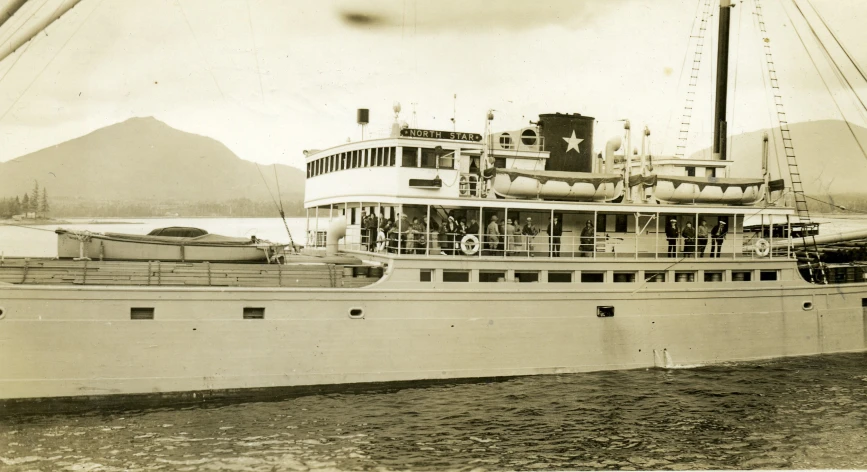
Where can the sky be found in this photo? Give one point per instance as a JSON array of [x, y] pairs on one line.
[[271, 78]]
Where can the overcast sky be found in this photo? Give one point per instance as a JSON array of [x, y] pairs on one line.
[[270, 78]]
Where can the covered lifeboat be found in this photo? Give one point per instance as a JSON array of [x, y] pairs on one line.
[[557, 185], [727, 191]]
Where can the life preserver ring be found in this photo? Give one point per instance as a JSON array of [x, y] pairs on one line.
[[464, 186], [470, 244], [762, 248]]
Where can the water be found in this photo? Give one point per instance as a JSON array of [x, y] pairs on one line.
[[802, 413]]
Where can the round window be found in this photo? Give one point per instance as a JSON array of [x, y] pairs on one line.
[[505, 141], [529, 137]]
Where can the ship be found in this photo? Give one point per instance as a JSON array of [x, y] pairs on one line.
[[438, 255]]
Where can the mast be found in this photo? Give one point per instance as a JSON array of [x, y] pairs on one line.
[[722, 79]]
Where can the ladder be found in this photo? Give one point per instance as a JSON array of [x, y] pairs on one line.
[[685, 120], [785, 132], [819, 275]]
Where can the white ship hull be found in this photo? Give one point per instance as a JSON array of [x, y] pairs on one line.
[[199, 341]]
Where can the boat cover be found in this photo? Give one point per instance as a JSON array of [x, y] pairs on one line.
[[571, 178], [178, 232], [702, 182], [203, 240]]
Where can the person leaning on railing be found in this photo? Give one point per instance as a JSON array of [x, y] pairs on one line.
[[530, 231], [672, 235], [555, 231], [688, 234], [587, 236]]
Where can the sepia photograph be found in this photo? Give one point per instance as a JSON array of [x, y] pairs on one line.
[[433, 235]]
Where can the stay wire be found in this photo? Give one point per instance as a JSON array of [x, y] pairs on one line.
[[26, 46], [686, 50], [56, 53], [843, 48], [824, 82]]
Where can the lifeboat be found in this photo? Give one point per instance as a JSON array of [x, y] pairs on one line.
[[164, 244], [728, 191], [557, 185]]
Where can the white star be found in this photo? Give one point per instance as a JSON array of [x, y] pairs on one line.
[[573, 143]]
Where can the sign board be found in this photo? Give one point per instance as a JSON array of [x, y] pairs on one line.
[[432, 134]]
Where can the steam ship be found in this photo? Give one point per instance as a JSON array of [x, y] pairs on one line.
[[393, 287]]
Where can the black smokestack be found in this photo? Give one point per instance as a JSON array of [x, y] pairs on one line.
[[569, 140]]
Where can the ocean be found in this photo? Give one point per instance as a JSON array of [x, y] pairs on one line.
[[796, 413]]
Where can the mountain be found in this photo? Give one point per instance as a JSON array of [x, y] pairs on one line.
[[145, 160], [829, 159]]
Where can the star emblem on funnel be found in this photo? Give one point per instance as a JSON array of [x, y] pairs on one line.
[[572, 143]]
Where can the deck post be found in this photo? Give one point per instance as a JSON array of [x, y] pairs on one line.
[[551, 235], [505, 232], [481, 233], [399, 227], [656, 238], [427, 233], [595, 230], [734, 238], [307, 226], [316, 229]]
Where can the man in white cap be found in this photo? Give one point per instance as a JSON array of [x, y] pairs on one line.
[[529, 231]]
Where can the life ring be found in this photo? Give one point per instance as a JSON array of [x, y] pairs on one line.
[[464, 186], [470, 244], [762, 248]]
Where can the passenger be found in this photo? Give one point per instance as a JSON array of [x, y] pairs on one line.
[[365, 235], [555, 231], [587, 236], [717, 236], [380, 240], [702, 237], [530, 231], [672, 234], [445, 240], [404, 229], [509, 232], [453, 229], [518, 244], [688, 234], [492, 235], [417, 236], [473, 228], [431, 233]]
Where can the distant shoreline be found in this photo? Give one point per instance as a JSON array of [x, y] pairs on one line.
[[50, 222]]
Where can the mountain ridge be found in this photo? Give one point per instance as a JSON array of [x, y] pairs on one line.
[[145, 159]]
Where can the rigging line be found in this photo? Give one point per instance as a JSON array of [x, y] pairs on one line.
[[280, 209], [29, 43], [26, 227], [834, 205], [23, 20], [698, 13], [828, 54], [10, 11], [267, 187], [279, 197], [56, 53], [255, 51], [845, 51], [824, 82], [768, 93], [199, 47]]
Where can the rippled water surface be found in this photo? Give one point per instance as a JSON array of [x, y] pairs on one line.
[[802, 413]]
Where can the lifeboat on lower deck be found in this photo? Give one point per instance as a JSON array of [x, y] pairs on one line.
[[556, 185], [728, 191]]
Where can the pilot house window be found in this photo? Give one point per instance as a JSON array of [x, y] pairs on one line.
[[410, 157]]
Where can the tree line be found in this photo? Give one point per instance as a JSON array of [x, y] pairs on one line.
[[34, 202], [236, 208]]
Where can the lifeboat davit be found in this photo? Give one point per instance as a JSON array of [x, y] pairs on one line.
[[727, 191], [557, 185]]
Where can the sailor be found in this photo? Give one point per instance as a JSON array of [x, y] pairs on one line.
[[587, 236], [672, 234], [530, 231], [688, 234], [555, 231], [717, 236], [702, 233]]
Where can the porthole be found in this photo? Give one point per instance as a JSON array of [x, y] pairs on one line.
[[529, 137], [356, 313], [808, 306], [2, 313]]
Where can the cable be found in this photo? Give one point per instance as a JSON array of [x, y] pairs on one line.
[[199, 47], [15, 102], [845, 51], [824, 82]]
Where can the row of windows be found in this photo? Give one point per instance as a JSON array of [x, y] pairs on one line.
[[147, 313], [382, 157], [426, 275], [375, 157]]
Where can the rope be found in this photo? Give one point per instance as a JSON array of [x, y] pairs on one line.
[[824, 82], [845, 51]]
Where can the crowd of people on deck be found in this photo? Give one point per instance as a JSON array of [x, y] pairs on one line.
[[510, 237], [695, 240]]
